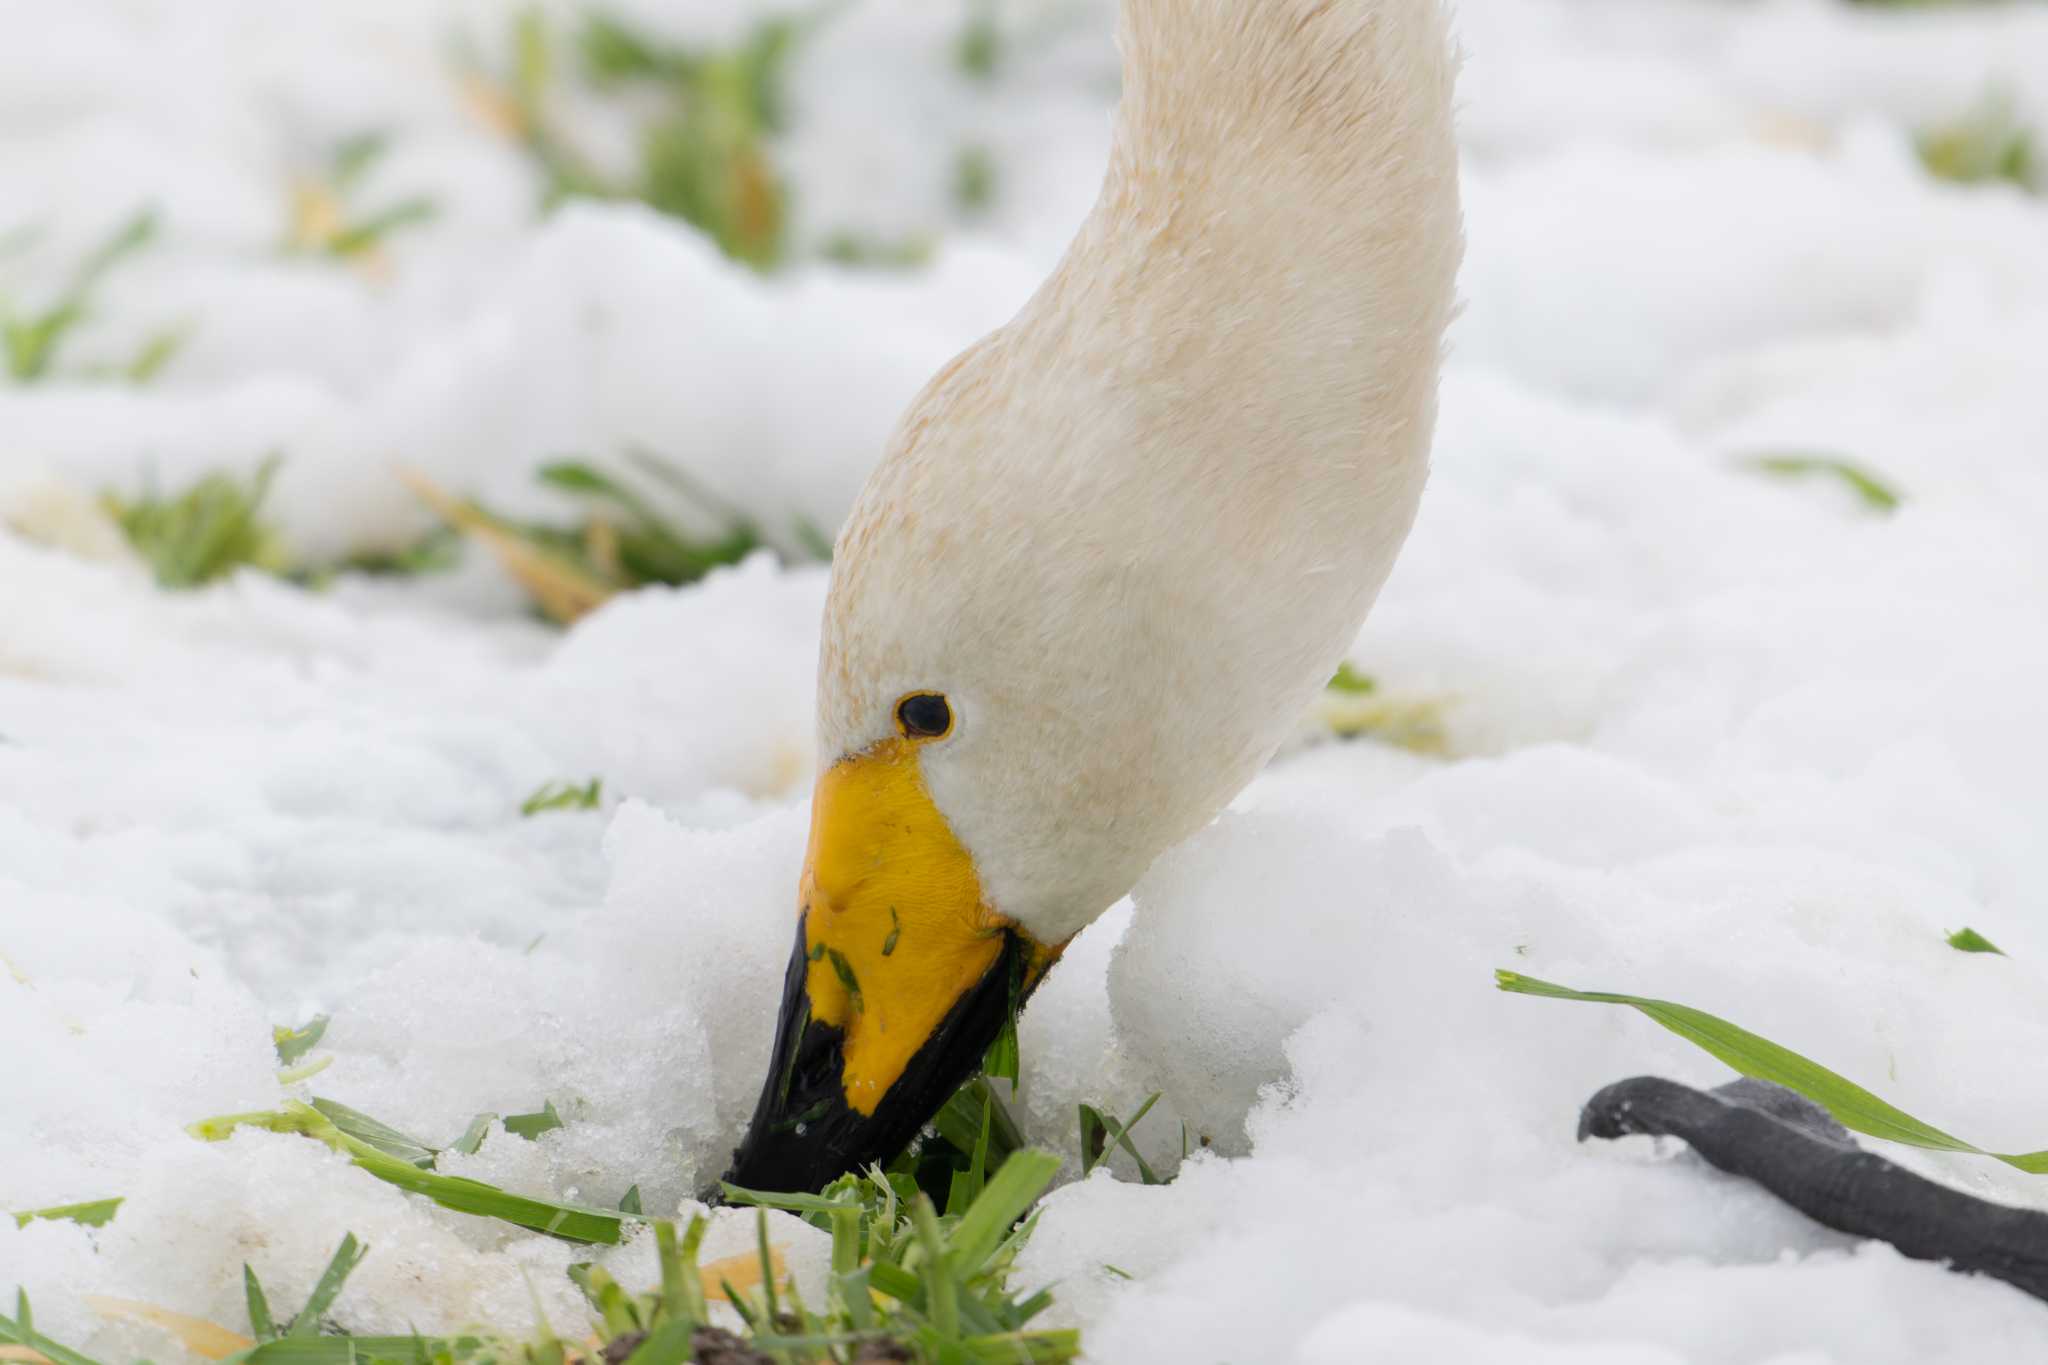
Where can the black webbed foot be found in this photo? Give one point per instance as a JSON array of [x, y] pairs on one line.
[[1795, 1149]]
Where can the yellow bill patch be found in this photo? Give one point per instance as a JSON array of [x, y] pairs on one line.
[[895, 928]]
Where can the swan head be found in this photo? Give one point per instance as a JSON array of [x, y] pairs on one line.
[[1112, 551]]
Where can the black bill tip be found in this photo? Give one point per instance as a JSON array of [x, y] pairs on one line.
[[804, 1135]]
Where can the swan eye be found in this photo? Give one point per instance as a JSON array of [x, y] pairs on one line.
[[923, 715]]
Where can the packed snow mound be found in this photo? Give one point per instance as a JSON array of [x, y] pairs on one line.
[[1738, 740]]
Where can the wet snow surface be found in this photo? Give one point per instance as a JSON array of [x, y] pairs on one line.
[[1726, 739]]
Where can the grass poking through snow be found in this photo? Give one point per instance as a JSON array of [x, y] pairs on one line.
[[631, 535], [1968, 940], [328, 217], [206, 532], [1987, 145], [1101, 1135], [908, 1281], [704, 118], [1874, 492], [32, 341], [93, 1213], [1752, 1055], [564, 796]]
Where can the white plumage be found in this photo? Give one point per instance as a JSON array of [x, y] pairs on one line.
[[1131, 533]]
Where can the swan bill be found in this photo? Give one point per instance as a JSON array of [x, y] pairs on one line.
[[900, 978]]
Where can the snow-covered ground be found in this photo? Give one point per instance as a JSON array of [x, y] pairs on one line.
[[1717, 737]]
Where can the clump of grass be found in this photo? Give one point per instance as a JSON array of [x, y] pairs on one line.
[[213, 526], [205, 532], [1873, 492], [625, 540], [1986, 145], [564, 796], [325, 219], [979, 49], [907, 1284], [906, 1278], [705, 118], [1852, 1106], [32, 341]]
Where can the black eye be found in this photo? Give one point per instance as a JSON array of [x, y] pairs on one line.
[[923, 715]]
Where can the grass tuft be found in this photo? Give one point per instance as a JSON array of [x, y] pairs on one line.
[[630, 536], [705, 117], [907, 1283], [206, 532], [1988, 144], [325, 220], [30, 342]]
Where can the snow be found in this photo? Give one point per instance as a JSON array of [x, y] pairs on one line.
[[1716, 737]]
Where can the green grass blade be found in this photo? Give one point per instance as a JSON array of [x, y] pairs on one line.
[[1122, 1137], [570, 1222], [1875, 493], [668, 1344], [768, 1296], [347, 1350], [381, 1136], [1094, 1137], [1039, 1348], [531, 1126], [1016, 1184], [92, 1214], [155, 353], [261, 1325], [775, 1199], [1349, 680], [1852, 1105], [564, 796], [346, 1258], [130, 237], [369, 233], [1970, 941], [574, 476], [473, 1136], [20, 1330], [691, 1294], [959, 1121], [294, 1043], [673, 1267], [941, 1285]]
